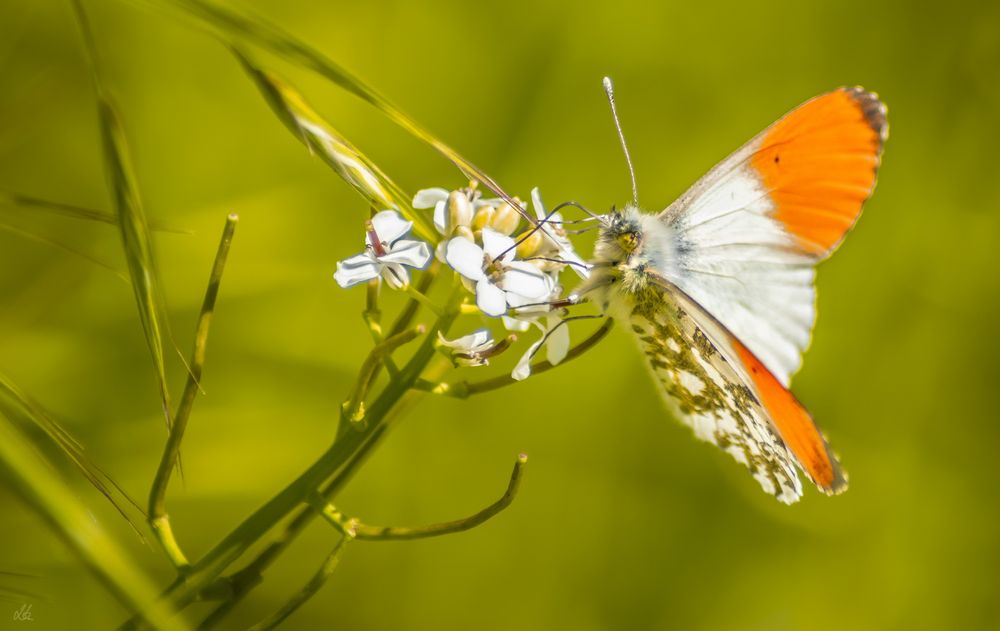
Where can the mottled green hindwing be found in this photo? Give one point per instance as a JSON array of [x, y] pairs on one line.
[[705, 390]]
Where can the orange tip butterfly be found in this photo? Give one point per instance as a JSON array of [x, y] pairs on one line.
[[718, 288]]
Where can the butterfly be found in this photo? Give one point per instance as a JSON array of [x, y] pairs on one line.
[[719, 287]]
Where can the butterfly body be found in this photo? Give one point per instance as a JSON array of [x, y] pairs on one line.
[[718, 288], [630, 245]]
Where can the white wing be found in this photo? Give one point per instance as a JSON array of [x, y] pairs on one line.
[[750, 231]]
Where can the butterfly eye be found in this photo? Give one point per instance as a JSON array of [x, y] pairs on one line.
[[628, 241]]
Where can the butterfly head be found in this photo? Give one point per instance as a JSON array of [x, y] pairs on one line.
[[621, 235]]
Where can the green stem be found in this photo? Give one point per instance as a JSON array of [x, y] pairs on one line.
[[353, 410], [419, 296], [340, 460], [410, 310], [402, 322], [352, 529], [307, 592], [372, 314], [236, 586], [349, 526], [159, 521]]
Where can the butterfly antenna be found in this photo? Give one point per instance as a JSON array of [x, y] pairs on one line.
[[609, 89]]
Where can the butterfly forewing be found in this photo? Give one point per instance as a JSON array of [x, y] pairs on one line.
[[754, 226]]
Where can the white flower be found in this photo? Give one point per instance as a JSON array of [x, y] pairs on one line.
[[386, 254], [555, 336], [555, 236], [499, 280], [474, 349]]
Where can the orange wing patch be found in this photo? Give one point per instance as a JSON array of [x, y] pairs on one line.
[[794, 425], [818, 164]]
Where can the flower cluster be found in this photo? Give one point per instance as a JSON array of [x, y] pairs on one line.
[[513, 274]]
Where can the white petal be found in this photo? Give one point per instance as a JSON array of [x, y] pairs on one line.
[[515, 324], [405, 252], [357, 269], [496, 244], [490, 299], [523, 369], [527, 280], [557, 346], [493, 201], [466, 258], [390, 225], [582, 268], [441, 216], [396, 275], [471, 342], [428, 197], [518, 301], [358, 260], [536, 203]]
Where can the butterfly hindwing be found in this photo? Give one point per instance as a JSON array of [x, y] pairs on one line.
[[707, 392]]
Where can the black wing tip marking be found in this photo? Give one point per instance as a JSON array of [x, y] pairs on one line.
[[874, 110]]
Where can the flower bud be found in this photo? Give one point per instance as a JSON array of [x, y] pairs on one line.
[[505, 218], [483, 217], [464, 231], [459, 210], [529, 247]]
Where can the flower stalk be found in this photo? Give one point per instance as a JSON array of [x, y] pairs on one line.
[[351, 527], [353, 409]]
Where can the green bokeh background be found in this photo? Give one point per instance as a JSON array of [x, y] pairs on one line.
[[624, 521]]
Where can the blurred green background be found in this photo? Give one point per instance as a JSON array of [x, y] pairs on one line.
[[624, 520]]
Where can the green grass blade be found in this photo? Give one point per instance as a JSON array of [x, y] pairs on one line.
[[323, 140], [33, 480], [27, 234], [234, 28], [33, 419], [131, 218], [59, 208], [19, 200]]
